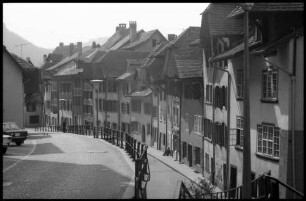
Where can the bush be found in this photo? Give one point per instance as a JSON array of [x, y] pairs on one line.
[[201, 188]]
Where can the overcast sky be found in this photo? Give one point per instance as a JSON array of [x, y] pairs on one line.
[[47, 24]]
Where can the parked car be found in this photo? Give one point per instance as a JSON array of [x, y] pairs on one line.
[[18, 135], [5, 143]]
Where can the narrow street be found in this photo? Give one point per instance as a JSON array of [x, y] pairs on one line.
[[64, 166]]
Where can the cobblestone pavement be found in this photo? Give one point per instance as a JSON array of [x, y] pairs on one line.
[[65, 166]]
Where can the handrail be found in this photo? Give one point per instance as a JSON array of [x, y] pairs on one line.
[[286, 185]]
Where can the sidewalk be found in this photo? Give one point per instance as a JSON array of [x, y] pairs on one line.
[[177, 166], [32, 131]]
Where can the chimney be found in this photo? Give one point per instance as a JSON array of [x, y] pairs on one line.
[[71, 49], [61, 48], [133, 29], [94, 45], [171, 37], [121, 27], [79, 45], [45, 58]]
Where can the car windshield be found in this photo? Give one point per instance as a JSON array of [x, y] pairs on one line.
[[10, 126]]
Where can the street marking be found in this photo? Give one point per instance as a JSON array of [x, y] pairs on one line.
[[22, 158]]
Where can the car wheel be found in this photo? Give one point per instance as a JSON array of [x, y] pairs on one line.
[[18, 143], [4, 150]]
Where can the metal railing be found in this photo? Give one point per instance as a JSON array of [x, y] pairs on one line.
[[263, 187], [184, 193]]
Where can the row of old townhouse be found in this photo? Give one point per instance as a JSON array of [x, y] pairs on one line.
[[186, 93]]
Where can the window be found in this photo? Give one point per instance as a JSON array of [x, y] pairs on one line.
[[206, 162], [268, 140], [197, 154], [208, 93], [110, 105], [136, 106], [114, 126], [176, 116], [208, 128], [148, 129], [77, 100], [197, 91], [87, 109], [239, 127], [184, 150], [125, 88], [87, 94], [100, 105], [154, 113], [31, 108], [34, 119], [197, 126], [112, 87], [269, 85], [154, 42], [239, 84], [147, 108], [135, 126], [77, 83]]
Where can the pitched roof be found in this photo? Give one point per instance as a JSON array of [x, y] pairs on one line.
[[68, 71], [150, 58], [26, 65], [235, 51], [188, 68], [163, 49], [115, 38], [64, 61], [114, 62], [91, 55], [124, 76], [144, 36], [53, 57], [217, 22], [269, 7], [124, 41]]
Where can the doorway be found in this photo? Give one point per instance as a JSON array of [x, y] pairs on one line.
[[143, 134], [190, 155], [233, 181]]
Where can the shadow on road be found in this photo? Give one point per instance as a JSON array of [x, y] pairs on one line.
[[38, 179]]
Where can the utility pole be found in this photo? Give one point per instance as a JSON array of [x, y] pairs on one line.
[[246, 176], [22, 44]]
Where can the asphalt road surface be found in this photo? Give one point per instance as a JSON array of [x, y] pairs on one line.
[[65, 166]]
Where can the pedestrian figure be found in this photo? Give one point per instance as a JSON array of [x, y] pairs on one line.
[[167, 152], [64, 126]]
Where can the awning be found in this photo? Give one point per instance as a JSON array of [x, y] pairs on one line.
[[269, 47]]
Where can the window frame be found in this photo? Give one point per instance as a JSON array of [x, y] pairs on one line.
[[269, 138], [265, 88]]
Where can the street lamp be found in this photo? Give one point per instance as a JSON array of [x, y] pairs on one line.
[[96, 83], [62, 99]]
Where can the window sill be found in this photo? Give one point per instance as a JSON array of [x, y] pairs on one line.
[[267, 157], [239, 148], [268, 101]]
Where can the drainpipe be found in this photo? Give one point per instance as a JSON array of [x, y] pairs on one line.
[[292, 76], [180, 129], [203, 112]]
